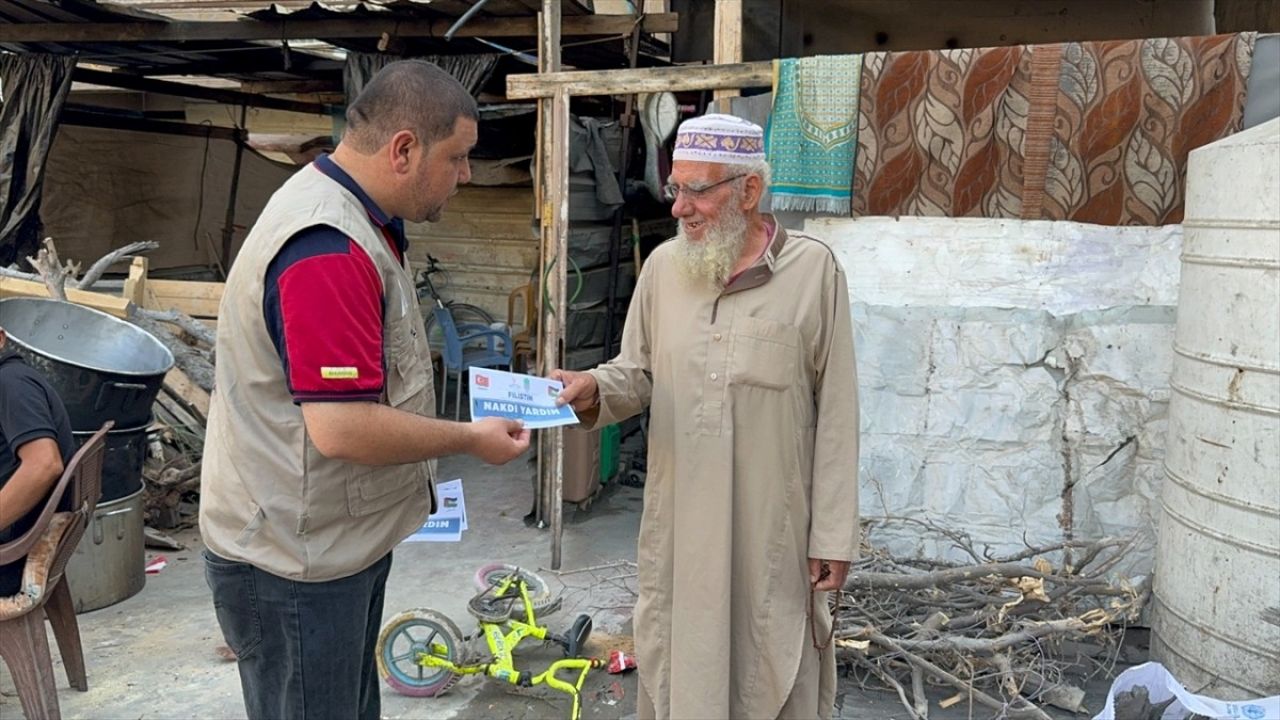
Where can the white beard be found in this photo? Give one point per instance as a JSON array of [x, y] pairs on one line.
[[710, 261]]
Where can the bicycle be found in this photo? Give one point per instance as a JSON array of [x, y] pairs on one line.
[[463, 313], [432, 661]]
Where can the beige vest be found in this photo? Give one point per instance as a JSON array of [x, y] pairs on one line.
[[267, 496]]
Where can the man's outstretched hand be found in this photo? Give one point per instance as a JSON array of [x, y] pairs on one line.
[[498, 441], [580, 389]]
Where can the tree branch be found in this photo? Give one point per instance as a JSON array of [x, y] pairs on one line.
[[15, 273], [957, 683], [889, 680], [51, 271], [127, 252], [951, 576]]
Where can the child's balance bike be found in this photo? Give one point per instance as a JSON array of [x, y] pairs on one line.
[[422, 653]]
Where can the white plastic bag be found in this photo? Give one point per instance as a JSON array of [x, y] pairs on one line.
[[1161, 686]]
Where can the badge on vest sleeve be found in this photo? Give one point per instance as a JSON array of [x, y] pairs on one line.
[[339, 373]]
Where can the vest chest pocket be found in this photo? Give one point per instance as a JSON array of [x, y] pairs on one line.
[[764, 353], [408, 375]]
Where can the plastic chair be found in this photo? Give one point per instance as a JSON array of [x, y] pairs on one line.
[[47, 547], [459, 353], [524, 331]]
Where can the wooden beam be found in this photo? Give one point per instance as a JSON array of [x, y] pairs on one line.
[[85, 118], [163, 87], [372, 27], [292, 87], [117, 306], [197, 299], [644, 80], [728, 39]]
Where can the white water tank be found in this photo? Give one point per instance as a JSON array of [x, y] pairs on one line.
[[1216, 613]]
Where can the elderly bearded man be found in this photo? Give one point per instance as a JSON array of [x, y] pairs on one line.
[[739, 339]]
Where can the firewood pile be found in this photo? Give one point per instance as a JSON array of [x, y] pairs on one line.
[[171, 475], [990, 630]]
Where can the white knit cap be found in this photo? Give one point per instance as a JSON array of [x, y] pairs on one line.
[[719, 139]]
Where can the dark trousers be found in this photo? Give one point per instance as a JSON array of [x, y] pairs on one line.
[[305, 650]]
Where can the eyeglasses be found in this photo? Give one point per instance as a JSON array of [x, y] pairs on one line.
[[671, 191]]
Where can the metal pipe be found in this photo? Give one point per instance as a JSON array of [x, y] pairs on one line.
[[448, 34]]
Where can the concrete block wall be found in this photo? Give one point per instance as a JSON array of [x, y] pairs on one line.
[[1013, 374]]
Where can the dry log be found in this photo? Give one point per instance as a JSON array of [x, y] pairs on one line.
[[172, 477], [196, 363], [192, 327]]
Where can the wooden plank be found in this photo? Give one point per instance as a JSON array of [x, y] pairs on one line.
[[527, 86], [197, 299], [176, 89], [192, 396], [177, 412], [728, 39], [476, 225], [117, 306], [368, 27]]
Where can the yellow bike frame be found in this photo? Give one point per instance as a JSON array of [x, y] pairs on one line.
[[502, 647]]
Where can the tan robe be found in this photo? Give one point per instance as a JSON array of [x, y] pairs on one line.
[[753, 461]]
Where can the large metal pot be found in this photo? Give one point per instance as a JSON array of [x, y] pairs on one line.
[[109, 564], [103, 368], [122, 462]]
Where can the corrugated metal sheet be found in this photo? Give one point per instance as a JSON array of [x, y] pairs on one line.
[[267, 60], [231, 58], [599, 54]]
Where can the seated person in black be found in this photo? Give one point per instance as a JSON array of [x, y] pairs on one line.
[[35, 444]]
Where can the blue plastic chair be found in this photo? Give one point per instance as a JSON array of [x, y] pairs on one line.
[[461, 352]]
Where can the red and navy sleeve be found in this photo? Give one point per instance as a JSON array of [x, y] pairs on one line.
[[323, 306]]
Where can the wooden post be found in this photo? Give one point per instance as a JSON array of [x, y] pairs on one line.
[[553, 210], [135, 287], [728, 39], [558, 233]]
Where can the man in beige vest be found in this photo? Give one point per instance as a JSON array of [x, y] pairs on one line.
[[739, 340], [319, 456]]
